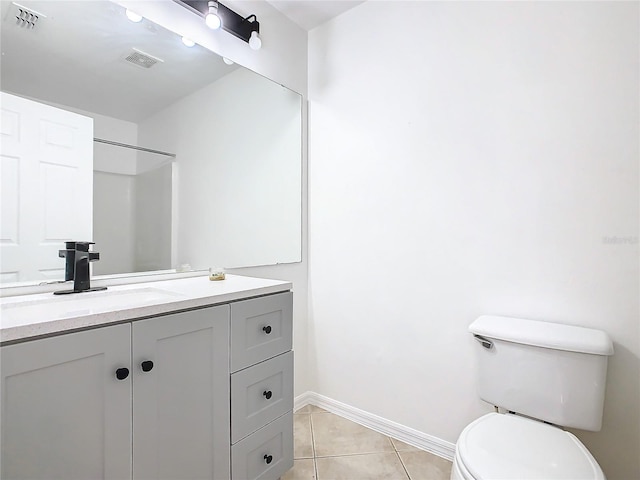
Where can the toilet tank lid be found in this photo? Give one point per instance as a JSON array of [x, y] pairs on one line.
[[543, 334]]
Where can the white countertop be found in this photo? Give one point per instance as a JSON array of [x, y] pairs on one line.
[[28, 316]]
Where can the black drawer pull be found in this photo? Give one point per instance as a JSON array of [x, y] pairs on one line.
[[268, 459], [268, 394], [122, 373], [267, 329], [147, 365]]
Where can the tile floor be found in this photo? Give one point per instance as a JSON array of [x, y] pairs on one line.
[[329, 447]]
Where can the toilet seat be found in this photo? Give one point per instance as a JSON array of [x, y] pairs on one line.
[[505, 446]]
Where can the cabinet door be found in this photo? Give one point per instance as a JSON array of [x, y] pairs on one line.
[[64, 412], [181, 401]]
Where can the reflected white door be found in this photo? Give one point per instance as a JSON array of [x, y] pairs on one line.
[[46, 187]]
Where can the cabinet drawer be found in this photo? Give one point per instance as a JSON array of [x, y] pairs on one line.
[[266, 454], [261, 328], [260, 394]]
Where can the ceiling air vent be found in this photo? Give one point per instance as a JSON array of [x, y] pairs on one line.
[[24, 17], [142, 59]]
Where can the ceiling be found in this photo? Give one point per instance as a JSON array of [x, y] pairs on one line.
[[311, 13], [80, 49], [79, 54]]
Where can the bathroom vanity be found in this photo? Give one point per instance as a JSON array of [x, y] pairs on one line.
[[174, 379]]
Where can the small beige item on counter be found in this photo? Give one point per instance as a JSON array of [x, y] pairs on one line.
[[216, 273]]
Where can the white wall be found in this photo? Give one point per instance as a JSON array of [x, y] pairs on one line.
[[114, 196], [153, 219], [470, 158], [237, 143], [283, 58]]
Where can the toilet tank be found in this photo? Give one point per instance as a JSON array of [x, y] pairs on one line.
[[549, 371]]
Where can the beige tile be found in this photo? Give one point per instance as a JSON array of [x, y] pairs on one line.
[[425, 466], [316, 409], [309, 409], [374, 466], [334, 435], [303, 469], [403, 447], [302, 442]]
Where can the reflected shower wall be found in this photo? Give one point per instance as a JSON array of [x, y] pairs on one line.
[[132, 201]]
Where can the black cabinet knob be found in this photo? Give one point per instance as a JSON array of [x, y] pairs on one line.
[[122, 373], [268, 459], [267, 329], [147, 365], [268, 394]]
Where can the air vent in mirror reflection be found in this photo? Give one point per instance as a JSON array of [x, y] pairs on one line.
[[23, 17], [142, 59]]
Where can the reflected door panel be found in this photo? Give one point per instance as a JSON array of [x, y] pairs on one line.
[[47, 183]]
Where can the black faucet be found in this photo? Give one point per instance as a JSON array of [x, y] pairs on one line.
[[77, 257]]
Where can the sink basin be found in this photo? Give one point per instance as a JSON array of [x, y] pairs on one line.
[[58, 307]]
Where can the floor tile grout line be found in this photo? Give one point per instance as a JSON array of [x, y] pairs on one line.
[[359, 454], [403, 465], [395, 449], [313, 447], [313, 438]]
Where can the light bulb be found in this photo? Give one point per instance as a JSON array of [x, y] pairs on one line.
[[227, 61], [212, 19], [133, 16], [254, 41], [188, 42]]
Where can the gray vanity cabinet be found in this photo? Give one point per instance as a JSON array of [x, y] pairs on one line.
[[204, 393], [64, 412], [67, 405], [261, 387]]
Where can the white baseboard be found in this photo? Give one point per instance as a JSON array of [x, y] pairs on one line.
[[395, 430], [302, 400]]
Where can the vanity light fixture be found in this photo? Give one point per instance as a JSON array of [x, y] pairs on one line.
[[212, 19], [254, 41], [133, 16], [244, 28], [188, 42]]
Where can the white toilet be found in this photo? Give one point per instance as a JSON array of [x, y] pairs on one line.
[[546, 376]]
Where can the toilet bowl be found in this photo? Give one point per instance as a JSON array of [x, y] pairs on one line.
[[509, 447], [553, 376]]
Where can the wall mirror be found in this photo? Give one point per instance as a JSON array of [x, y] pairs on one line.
[[192, 162]]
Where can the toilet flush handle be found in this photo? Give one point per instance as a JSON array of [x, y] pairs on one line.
[[485, 342]]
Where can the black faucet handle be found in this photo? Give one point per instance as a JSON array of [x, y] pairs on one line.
[[70, 258], [83, 246], [93, 256]]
